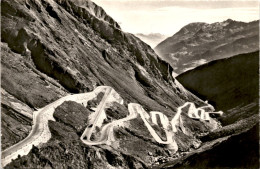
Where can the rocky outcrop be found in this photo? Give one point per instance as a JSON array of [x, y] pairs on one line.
[[199, 43]]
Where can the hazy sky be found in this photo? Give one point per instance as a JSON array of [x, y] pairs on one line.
[[168, 16]]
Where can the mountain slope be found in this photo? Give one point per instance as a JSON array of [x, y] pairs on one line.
[[239, 151], [232, 85], [199, 43], [51, 49], [226, 83]]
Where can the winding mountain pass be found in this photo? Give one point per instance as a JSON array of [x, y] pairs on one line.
[[40, 132], [170, 127], [98, 117]]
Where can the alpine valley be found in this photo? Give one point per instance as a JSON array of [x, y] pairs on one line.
[[78, 92]]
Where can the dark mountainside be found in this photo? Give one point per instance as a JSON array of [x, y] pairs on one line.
[[199, 43], [50, 49], [236, 86], [226, 83], [240, 151]]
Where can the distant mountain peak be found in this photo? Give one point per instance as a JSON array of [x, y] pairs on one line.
[[151, 39], [230, 20], [200, 42], [150, 34]]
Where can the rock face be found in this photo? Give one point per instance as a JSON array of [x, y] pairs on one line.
[[199, 43], [50, 49], [151, 39]]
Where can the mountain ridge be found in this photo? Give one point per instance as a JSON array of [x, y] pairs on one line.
[[198, 43]]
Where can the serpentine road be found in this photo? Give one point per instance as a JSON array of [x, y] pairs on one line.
[[40, 132]]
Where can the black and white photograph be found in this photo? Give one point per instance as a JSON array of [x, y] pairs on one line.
[[130, 84]]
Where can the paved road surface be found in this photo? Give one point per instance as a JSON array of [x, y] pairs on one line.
[[40, 131]]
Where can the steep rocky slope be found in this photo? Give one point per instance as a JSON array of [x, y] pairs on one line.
[[151, 39], [231, 85], [199, 43], [50, 49]]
